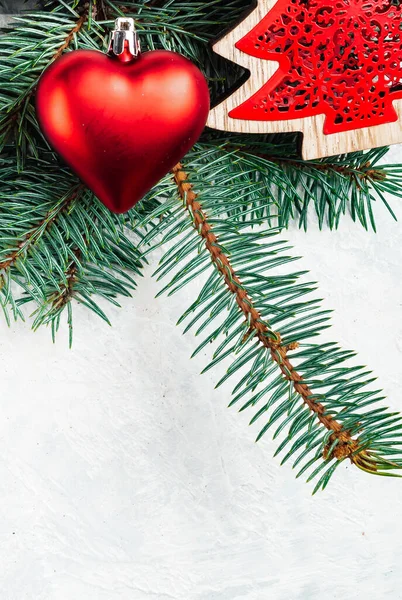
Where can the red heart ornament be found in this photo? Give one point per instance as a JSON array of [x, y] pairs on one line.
[[121, 126]]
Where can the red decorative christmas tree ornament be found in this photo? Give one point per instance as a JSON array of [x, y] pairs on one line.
[[326, 68], [121, 121]]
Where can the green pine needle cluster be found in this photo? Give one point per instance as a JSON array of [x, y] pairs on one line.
[[59, 245]]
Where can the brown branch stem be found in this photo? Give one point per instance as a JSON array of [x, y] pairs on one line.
[[69, 38], [44, 224], [346, 445], [12, 116], [61, 299], [365, 173]]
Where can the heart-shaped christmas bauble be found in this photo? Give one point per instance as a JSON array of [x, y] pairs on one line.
[[122, 125]]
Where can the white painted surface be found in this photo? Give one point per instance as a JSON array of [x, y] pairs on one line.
[[123, 476]]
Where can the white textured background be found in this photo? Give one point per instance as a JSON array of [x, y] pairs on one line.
[[123, 476]]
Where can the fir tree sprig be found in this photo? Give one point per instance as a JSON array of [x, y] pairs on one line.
[[258, 318], [59, 245], [268, 187], [332, 187]]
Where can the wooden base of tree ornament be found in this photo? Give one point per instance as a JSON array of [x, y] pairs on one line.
[[331, 70]]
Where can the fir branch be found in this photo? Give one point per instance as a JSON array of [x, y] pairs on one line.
[[59, 244], [260, 189], [258, 317], [69, 38], [341, 440], [17, 115], [67, 290], [332, 187], [366, 173], [24, 246]]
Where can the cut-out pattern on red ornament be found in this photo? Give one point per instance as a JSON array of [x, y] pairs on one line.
[[341, 58]]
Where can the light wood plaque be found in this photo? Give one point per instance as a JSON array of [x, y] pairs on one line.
[[316, 144]]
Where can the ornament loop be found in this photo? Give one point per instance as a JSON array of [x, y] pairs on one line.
[[123, 32]]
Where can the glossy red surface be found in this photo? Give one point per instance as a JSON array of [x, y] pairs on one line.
[[121, 125]]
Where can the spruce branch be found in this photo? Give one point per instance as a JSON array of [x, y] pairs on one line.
[[23, 69], [37, 230], [262, 179], [69, 38], [66, 293], [332, 187], [262, 320], [59, 244], [341, 442]]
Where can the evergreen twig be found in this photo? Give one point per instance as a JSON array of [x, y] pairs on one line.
[[271, 340], [59, 245], [69, 38], [257, 317]]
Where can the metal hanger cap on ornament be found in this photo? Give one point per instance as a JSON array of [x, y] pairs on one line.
[[124, 39]]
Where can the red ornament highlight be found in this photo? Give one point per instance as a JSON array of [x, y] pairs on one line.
[[341, 58], [121, 123]]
